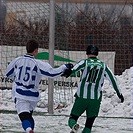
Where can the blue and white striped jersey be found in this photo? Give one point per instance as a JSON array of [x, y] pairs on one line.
[[27, 72]]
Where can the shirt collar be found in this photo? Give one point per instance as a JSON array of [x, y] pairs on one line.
[[30, 56]]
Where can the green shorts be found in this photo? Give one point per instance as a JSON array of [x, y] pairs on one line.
[[91, 106]]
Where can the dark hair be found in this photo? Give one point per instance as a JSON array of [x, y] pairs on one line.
[[91, 49], [31, 46]]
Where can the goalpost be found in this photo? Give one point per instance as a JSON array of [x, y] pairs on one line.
[[76, 25]]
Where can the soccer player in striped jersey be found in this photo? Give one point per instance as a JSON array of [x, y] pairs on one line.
[[26, 71], [89, 92]]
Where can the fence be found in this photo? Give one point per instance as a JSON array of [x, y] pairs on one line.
[[77, 24]]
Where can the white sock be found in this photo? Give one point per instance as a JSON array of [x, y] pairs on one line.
[[28, 129]]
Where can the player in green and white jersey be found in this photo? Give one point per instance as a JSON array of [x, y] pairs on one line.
[[89, 92]]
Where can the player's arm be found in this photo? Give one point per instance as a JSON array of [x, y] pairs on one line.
[[48, 71], [10, 70], [111, 77], [79, 66]]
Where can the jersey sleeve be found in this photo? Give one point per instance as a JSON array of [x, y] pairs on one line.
[[10, 70], [79, 66], [112, 79], [48, 71]]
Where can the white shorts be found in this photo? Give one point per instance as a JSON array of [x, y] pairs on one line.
[[25, 105]]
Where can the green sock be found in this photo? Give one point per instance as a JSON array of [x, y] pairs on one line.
[[71, 122], [86, 130]]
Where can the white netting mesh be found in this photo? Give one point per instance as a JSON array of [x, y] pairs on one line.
[[76, 25]]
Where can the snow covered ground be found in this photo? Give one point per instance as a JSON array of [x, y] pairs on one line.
[[114, 117], [58, 124]]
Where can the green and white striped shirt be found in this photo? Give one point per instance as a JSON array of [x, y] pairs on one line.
[[92, 78]]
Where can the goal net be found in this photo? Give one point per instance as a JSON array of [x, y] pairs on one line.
[[108, 26]]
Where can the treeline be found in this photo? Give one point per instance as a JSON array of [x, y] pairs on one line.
[[104, 28]]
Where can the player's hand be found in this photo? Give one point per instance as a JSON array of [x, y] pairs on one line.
[[121, 98], [67, 73], [69, 65]]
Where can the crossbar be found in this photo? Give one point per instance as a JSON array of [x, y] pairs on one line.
[[78, 1]]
